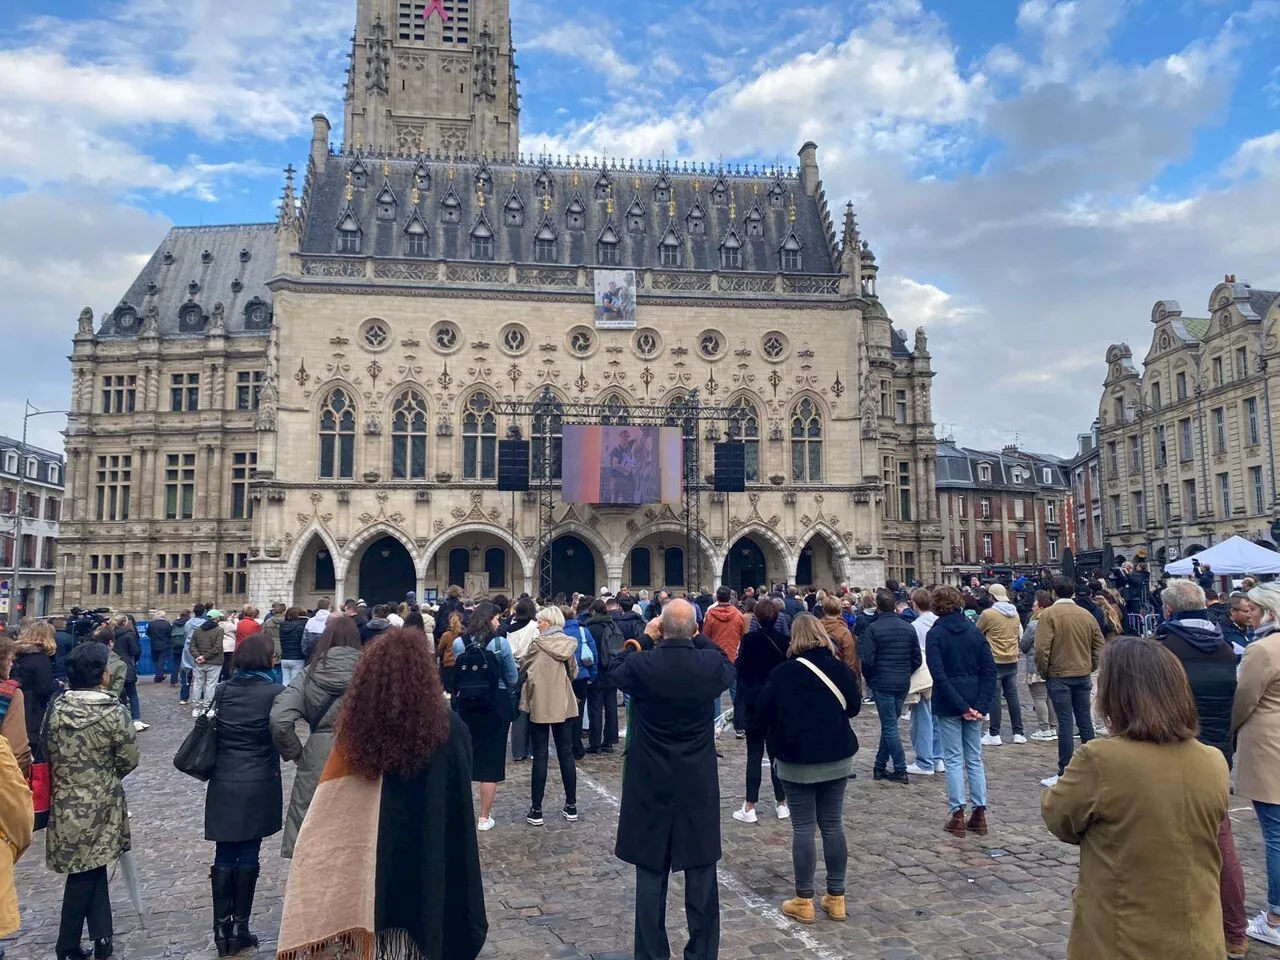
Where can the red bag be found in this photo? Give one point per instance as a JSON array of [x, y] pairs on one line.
[[38, 781]]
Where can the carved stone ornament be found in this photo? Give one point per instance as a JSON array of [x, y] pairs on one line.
[[437, 525], [218, 325], [457, 513], [344, 496], [85, 325], [373, 423], [151, 321], [444, 476]]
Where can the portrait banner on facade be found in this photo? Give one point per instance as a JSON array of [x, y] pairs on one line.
[[615, 299]]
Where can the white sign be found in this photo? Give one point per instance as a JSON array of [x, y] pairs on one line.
[[615, 299]]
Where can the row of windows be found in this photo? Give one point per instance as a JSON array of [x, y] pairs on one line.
[[36, 553], [1186, 439], [30, 505], [31, 469], [1022, 509], [1218, 370], [1023, 550], [410, 429], [120, 392], [114, 482], [173, 574], [1193, 506]]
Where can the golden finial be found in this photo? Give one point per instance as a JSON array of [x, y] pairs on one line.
[[791, 213], [350, 188], [671, 209], [451, 168], [513, 174], [546, 201], [576, 180], [415, 196], [733, 206], [359, 140], [609, 199], [755, 188], [636, 183], [697, 184], [386, 168]]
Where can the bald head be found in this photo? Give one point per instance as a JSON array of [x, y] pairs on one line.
[[679, 622]]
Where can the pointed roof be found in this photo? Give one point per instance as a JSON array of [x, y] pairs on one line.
[[513, 200], [349, 220], [609, 234], [670, 238], [415, 224], [386, 194], [546, 229], [481, 229]]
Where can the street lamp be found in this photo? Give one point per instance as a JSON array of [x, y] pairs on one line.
[[1266, 402], [28, 412]]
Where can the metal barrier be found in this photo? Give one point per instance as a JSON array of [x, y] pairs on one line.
[[1143, 626]]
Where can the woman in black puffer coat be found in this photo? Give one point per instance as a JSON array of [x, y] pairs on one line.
[[760, 651], [292, 659], [129, 649]]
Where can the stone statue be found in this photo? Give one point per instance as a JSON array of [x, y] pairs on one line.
[[373, 423], [218, 326], [151, 321], [922, 343], [85, 328], [265, 420]]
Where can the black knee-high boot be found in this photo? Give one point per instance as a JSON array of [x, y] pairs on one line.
[[223, 882], [246, 883]]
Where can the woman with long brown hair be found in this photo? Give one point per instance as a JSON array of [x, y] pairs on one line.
[[314, 697], [1144, 805], [387, 863], [444, 651]]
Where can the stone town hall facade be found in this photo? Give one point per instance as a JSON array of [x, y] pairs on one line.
[[311, 407]]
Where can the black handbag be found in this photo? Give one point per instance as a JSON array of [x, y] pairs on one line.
[[198, 755]]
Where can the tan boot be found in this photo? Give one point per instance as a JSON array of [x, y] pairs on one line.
[[1238, 951], [834, 906], [955, 825], [799, 908], [978, 821]]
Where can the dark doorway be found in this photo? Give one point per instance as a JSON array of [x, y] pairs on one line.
[[495, 564], [673, 567], [804, 569], [745, 566], [573, 567], [386, 572], [459, 566]]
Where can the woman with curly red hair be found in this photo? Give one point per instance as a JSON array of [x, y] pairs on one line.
[[387, 862]]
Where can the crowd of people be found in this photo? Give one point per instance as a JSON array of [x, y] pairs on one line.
[[406, 704]]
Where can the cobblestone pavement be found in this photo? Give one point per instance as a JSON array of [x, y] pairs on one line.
[[558, 892]]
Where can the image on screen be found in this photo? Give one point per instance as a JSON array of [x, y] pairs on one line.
[[622, 464]]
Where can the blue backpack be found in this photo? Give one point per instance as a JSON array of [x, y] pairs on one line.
[[586, 654]]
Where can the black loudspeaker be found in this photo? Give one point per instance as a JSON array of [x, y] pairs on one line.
[[731, 467], [513, 464]]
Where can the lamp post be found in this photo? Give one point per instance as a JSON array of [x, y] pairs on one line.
[[1266, 406], [1198, 358], [28, 412]]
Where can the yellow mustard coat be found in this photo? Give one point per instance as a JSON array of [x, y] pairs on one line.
[[16, 824]]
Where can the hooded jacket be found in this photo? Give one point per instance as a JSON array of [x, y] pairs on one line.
[[631, 625], [520, 634], [91, 747], [1210, 663], [314, 697], [207, 642], [1003, 629], [846, 645], [960, 662], [375, 628], [549, 667], [725, 626]]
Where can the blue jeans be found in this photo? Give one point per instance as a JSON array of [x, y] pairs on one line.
[[130, 697], [185, 693], [237, 853], [922, 733], [1269, 821], [290, 669], [889, 706], [819, 805], [962, 750]]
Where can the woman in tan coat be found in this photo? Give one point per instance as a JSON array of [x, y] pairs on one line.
[[1255, 720], [1144, 806], [16, 823], [548, 669]]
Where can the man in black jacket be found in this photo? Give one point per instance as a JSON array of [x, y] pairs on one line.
[[670, 816], [1210, 663], [890, 652], [630, 624], [158, 633]]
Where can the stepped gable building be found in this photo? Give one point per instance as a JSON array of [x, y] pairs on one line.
[[1005, 509], [312, 407], [1186, 446]]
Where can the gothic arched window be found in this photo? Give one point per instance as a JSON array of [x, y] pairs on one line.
[[744, 426], [615, 411], [548, 425], [409, 437], [479, 439], [338, 436], [806, 442], [678, 417]]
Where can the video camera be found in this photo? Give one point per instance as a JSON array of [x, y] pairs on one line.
[[82, 623]]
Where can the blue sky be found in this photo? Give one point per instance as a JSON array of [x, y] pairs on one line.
[[1033, 174]]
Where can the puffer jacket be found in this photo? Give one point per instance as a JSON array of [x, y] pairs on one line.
[[291, 639], [1002, 627], [761, 650], [725, 625], [548, 669], [1210, 663], [91, 747], [129, 649], [890, 653], [631, 626], [314, 697]]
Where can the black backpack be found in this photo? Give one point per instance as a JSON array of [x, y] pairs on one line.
[[609, 644], [475, 677]]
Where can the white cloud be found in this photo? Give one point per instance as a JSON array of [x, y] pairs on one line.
[[588, 46]]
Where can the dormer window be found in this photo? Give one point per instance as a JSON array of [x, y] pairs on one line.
[[696, 222], [662, 190], [790, 254], [1018, 475], [481, 241], [669, 249], [544, 244], [984, 472], [635, 217], [386, 203], [484, 180], [33, 467], [422, 176], [191, 318], [451, 208], [576, 213], [359, 176], [603, 185], [1048, 475], [607, 247], [777, 196], [755, 222], [731, 252], [349, 235], [719, 193], [544, 184], [415, 238], [513, 211]]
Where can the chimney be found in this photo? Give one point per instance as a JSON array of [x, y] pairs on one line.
[[319, 141], [1010, 448], [809, 168]]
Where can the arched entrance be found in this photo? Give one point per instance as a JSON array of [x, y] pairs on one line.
[[745, 566], [386, 572], [573, 567], [314, 577]]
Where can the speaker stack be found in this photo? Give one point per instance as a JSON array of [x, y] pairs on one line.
[[513, 464], [731, 467]]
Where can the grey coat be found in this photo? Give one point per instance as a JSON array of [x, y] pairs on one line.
[[314, 699]]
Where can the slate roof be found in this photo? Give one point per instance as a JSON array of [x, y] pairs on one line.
[[576, 215], [46, 458], [1261, 300], [195, 268], [958, 467]]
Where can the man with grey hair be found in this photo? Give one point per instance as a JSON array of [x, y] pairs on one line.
[[670, 816], [1210, 663]]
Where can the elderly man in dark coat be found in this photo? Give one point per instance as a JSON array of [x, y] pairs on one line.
[[670, 818]]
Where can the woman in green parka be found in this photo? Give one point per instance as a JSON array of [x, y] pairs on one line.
[[91, 747]]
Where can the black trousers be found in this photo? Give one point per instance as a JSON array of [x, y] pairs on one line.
[[85, 897], [757, 748], [580, 693], [701, 910], [602, 707], [539, 734]]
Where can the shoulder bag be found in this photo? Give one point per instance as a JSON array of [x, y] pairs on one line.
[[817, 672], [198, 755]]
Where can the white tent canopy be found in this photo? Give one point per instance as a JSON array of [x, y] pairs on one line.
[[1232, 556]]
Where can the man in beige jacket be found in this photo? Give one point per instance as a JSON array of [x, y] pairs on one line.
[[1002, 627], [1068, 646]]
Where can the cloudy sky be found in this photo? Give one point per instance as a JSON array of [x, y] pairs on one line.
[[1032, 175]]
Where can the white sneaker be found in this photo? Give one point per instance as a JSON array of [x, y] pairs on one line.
[[989, 741], [1259, 929], [196, 712], [940, 767], [1045, 735], [1049, 781], [485, 823], [784, 812], [1019, 738], [744, 815], [139, 726], [925, 771]]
